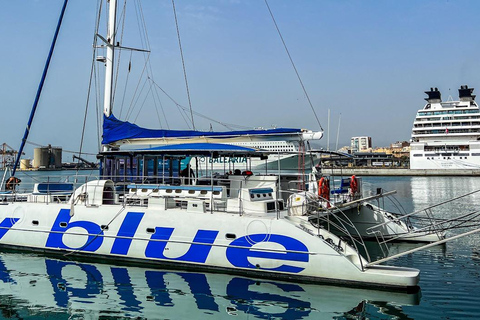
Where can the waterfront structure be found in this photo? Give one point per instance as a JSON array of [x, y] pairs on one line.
[[361, 144], [47, 158], [446, 135], [372, 159]]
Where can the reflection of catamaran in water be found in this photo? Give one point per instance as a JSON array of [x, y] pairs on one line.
[[63, 286], [143, 210]]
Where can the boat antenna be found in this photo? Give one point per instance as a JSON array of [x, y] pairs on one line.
[[338, 131], [183, 64], [39, 90], [293, 64]]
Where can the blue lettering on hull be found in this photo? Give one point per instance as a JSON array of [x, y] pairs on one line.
[[95, 233], [197, 252], [237, 253], [241, 249], [55, 239], [6, 224], [127, 230]]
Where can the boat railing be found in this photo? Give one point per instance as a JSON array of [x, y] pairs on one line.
[[43, 188], [426, 220], [334, 220], [242, 194]]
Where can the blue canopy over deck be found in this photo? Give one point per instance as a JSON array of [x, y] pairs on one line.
[[190, 149], [115, 130]]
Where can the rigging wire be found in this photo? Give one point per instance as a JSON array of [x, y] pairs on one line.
[[146, 43], [63, 150], [183, 64], [92, 71], [226, 125], [118, 56], [155, 95], [126, 84], [134, 97], [143, 103], [293, 64]]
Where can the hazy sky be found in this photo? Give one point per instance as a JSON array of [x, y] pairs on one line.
[[368, 61]]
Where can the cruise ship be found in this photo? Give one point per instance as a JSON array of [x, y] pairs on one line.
[[446, 135]]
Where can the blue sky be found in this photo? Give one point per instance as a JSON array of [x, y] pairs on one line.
[[369, 61]]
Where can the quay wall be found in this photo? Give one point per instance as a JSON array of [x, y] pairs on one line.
[[401, 172]]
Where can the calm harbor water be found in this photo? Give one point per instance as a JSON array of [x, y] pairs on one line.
[[33, 286]]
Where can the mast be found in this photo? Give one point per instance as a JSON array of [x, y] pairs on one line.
[[40, 88], [112, 16]]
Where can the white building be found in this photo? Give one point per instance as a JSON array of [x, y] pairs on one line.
[[360, 144]]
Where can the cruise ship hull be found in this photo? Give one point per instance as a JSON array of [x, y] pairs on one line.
[[448, 158]]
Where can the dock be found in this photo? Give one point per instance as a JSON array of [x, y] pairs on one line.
[[402, 172]]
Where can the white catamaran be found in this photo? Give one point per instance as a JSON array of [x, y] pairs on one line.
[[146, 208]]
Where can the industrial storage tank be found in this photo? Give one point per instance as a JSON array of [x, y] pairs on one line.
[[25, 164], [47, 157], [40, 158], [57, 157]]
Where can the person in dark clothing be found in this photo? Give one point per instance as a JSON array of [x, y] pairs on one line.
[[188, 174]]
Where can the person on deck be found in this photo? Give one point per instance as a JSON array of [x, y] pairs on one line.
[[188, 174]]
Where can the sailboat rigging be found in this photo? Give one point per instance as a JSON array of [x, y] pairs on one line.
[[150, 207]]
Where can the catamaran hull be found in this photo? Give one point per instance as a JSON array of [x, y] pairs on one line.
[[266, 247], [372, 222]]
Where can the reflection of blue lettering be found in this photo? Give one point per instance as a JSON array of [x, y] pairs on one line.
[[6, 224], [61, 289], [124, 289], [238, 289], [5, 274], [241, 249], [55, 238], [198, 251], [127, 231], [197, 283]]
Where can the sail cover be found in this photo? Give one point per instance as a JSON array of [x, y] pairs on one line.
[[116, 130]]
